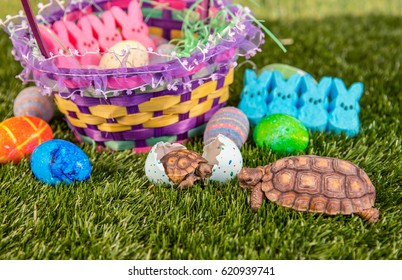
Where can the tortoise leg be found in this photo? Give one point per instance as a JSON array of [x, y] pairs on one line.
[[257, 197], [370, 215], [188, 181]]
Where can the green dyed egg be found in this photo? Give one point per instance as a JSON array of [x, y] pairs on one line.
[[281, 133]]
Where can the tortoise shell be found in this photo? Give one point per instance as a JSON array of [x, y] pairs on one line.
[[318, 184], [178, 164]]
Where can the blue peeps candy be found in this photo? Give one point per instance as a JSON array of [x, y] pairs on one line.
[[253, 98], [283, 99], [344, 108], [313, 102]]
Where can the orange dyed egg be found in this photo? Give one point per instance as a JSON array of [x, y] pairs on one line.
[[19, 136]]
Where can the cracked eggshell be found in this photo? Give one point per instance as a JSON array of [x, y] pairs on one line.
[[154, 169], [225, 157]]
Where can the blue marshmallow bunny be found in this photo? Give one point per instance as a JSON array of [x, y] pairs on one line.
[[344, 108], [313, 102], [283, 99], [253, 98]]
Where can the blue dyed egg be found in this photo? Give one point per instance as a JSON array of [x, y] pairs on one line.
[[31, 102], [230, 122], [59, 161]]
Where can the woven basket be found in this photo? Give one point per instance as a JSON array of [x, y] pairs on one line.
[[134, 108]]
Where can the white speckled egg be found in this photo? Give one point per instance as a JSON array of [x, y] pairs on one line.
[[153, 167], [128, 53], [225, 157]]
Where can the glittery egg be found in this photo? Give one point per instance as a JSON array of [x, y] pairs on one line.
[[19, 136], [59, 161], [128, 53], [163, 54], [281, 133], [225, 157], [228, 121], [154, 169], [31, 102]]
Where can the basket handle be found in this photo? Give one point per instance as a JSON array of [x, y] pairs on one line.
[[34, 27], [205, 5]]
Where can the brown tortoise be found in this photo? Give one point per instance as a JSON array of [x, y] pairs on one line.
[[312, 183], [184, 167]]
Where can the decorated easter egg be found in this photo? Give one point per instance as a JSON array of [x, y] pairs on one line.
[[128, 53], [31, 102], [281, 133], [154, 169], [59, 161], [230, 122], [19, 136], [163, 54], [225, 157]]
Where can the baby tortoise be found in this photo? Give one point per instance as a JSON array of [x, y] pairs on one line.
[[184, 167], [314, 184]]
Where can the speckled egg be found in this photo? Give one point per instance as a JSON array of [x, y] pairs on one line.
[[228, 121], [281, 133], [128, 53], [19, 136], [154, 169], [225, 157], [31, 102], [60, 161]]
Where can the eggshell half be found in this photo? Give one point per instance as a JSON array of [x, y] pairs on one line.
[[153, 166], [225, 157]]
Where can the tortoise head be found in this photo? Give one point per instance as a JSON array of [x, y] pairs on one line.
[[204, 170], [249, 177]]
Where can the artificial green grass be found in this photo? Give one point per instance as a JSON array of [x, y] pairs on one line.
[[118, 214]]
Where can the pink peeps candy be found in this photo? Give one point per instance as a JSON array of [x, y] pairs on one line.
[[104, 30], [132, 24], [58, 45], [83, 41]]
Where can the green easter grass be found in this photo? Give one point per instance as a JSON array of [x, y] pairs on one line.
[[117, 214]]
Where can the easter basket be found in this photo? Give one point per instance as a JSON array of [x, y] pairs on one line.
[[134, 107]]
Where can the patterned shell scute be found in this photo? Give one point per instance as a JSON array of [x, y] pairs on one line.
[[178, 164], [318, 184]]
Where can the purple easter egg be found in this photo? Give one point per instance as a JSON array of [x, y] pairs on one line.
[[31, 102], [230, 122]]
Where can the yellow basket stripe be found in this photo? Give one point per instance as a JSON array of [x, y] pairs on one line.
[[159, 103], [161, 121], [76, 123], [174, 34], [204, 90], [65, 105], [108, 111], [229, 77], [90, 119], [224, 96], [156, 31], [135, 119], [181, 108], [218, 93], [201, 108], [113, 127]]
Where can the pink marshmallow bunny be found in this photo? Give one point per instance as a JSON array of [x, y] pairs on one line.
[[132, 25], [56, 42], [83, 41], [104, 30]]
